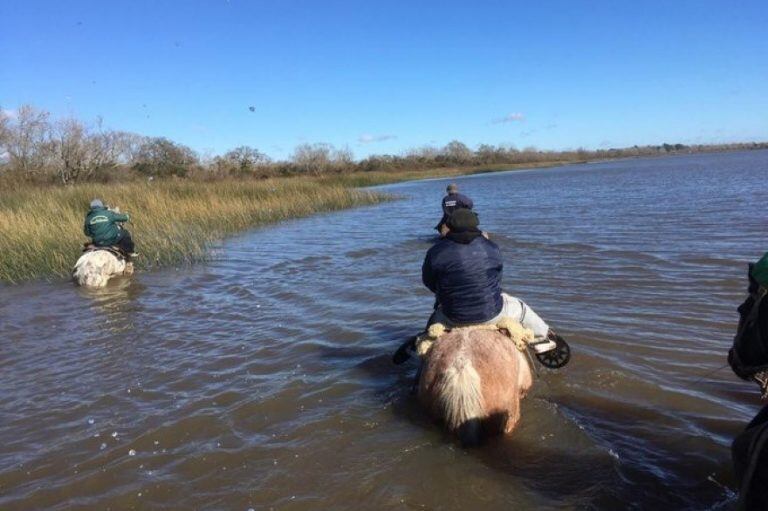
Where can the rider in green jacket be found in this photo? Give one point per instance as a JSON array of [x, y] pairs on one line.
[[102, 226]]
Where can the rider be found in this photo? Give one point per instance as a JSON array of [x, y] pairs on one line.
[[451, 202], [101, 225], [464, 271]]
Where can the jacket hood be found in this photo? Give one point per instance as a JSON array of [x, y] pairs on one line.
[[464, 237]]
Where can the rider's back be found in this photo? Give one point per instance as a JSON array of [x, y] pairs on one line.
[[466, 278], [101, 226]]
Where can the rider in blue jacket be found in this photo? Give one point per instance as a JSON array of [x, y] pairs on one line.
[[464, 271]]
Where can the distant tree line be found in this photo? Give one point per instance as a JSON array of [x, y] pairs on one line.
[[33, 147]]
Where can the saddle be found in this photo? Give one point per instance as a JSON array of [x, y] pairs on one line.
[[112, 249], [518, 334]]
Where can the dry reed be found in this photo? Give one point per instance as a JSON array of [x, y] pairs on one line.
[[172, 222]]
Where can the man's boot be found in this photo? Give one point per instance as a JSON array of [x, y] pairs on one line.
[[403, 352]]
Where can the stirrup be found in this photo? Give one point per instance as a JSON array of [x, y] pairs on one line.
[[558, 357]]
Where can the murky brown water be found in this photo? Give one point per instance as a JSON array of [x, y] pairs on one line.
[[263, 379]]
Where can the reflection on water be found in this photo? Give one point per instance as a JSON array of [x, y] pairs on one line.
[[263, 379], [115, 304]]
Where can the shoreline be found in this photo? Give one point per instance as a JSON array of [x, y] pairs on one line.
[[177, 221], [211, 211], [173, 222]]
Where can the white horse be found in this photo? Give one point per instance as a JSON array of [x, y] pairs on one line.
[[96, 267], [474, 378]]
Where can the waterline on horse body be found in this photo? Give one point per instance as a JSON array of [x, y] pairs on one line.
[[96, 267]]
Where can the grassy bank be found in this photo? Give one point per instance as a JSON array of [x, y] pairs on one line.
[[174, 221], [360, 179]]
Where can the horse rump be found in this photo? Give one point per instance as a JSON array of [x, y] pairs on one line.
[[473, 380], [94, 268]]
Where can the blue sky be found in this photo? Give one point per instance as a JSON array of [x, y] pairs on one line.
[[382, 77]]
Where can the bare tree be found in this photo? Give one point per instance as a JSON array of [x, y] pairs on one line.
[[343, 159], [242, 160], [426, 153], [312, 158], [5, 132], [5, 126], [27, 140], [162, 157], [82, 151], [486, 153], [128, 146], [457, 152]]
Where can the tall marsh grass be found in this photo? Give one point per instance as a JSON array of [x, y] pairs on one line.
[[41, 229]]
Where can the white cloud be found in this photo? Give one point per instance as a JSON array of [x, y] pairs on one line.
[[11, 114], [367, 138], [514, 117]]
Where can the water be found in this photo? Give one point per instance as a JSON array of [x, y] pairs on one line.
[[263, 379]]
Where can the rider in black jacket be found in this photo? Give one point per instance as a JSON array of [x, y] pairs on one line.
[[451, 202], [464, 271]]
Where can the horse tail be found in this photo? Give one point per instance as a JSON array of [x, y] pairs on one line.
[[460, 397], [90, 276]]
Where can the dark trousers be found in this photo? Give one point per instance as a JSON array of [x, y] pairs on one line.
[[126, 243]]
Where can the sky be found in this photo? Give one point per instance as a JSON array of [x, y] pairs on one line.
[[384, 77]]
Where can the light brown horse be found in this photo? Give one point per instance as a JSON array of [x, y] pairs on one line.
[[473, 380]]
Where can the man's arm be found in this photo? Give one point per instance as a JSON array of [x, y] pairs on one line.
[[119, 217], [467, 202], [428, 277], [495, 257]]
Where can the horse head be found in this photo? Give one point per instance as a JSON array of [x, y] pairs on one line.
[[749, 354]]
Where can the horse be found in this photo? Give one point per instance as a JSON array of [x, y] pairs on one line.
[[97, 265], [473, 378], [748, 358]]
